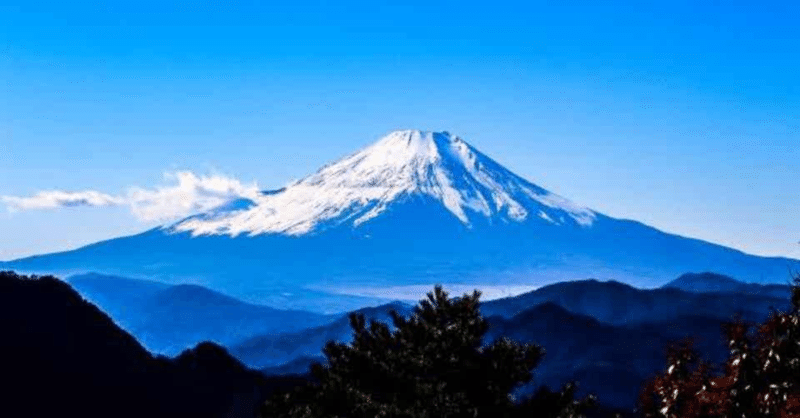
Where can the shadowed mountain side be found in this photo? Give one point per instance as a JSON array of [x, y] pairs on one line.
[[273, 350], [717, 283], [299, 366], [618, 303], [402, 251], [610, 361], [122, 298], [64, 357], [186, 314], [414, 208], [167, 319], [625, 346], [608, 303]]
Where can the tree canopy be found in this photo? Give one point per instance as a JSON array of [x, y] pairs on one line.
[[761, 377], [432, 364]]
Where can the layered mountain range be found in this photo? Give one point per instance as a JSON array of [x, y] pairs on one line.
[[167, 319], [608, 336], [413, 209], [593, 332]]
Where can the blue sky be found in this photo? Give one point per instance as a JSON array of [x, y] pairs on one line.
[[681, 115]]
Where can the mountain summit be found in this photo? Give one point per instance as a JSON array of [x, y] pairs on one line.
[[403, 164], [412, 209]]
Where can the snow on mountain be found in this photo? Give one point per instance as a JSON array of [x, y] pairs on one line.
[[360, 187], [413, 209]]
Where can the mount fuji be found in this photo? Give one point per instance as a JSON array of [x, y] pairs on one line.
[[413, 209]]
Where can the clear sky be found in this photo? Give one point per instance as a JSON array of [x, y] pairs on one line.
[[681, 115]]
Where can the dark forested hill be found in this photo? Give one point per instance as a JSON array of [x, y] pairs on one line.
[[621, 304], [62, 356], [610, 361], [608, 336]]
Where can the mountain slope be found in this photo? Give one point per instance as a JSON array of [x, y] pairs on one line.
[[362, 186], [63, 357], [270, 350], [620, 304], [122, 298], [669, 314], [704, 282], [168, 319], [415, 208], [611, 361], [711, 282]]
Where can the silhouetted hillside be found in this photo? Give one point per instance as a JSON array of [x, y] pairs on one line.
[[167, 319], [608, 360], [299, 366], [717, 283], [64, 357], [618, 303], [705, 282], [272, 350], [606, 335]]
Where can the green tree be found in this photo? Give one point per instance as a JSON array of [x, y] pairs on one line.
[[433, 364]]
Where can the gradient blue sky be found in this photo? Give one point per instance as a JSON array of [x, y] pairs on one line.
[[680, 115]]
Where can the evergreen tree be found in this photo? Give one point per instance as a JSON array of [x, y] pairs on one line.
[[434, 364]]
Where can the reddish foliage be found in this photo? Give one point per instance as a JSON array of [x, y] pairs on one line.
[[760, 379]]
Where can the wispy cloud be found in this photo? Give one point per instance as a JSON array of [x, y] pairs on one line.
[[184, 193], [52, 199]]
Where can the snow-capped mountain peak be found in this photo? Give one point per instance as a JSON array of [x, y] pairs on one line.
[[364, 185]]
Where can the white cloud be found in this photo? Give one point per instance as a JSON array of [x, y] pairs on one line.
[[185, 194], [52, 199], [188, 195]]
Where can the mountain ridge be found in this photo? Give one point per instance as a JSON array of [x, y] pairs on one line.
[[167, 319], [618, 303], [361, 186], [408, 193], [708, 282], [66, 357]]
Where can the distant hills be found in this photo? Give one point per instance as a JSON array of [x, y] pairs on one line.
[[577, 347], [167, 319], [621, 304], [712, 282], [594, 332], [272, 350]]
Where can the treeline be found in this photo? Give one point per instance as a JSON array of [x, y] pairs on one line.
[[435, 364], [61, 356]]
